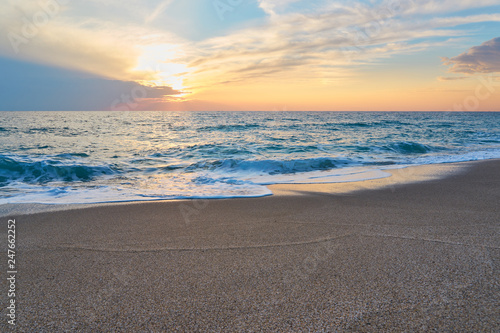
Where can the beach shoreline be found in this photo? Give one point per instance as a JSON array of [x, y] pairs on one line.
[[421, 254], [396, 176]]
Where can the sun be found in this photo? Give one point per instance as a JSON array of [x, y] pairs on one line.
[[157, 62]]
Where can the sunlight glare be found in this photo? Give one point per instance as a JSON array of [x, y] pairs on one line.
[[155, 59]]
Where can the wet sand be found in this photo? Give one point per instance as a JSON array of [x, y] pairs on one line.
[[410, 256]]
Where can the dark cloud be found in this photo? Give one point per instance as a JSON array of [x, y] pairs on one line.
[[484, 58], [452, 78], [34, 87]]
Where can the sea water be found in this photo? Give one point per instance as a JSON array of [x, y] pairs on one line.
[[94, 157]]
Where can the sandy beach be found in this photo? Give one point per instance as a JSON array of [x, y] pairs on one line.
[[382, 255]]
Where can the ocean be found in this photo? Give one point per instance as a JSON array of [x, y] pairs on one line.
[[96, 157]]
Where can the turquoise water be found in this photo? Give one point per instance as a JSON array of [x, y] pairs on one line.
[[90, 157]]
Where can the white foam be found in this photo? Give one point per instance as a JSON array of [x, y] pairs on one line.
[[216, 184]]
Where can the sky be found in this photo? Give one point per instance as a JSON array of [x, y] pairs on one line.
[[263, 55]]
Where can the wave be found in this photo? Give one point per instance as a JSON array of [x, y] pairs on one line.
[[356, 124], [373, 124], [232, 127], [49, 170], [272, 167], [71, 155], [410, 148], [64, 157]]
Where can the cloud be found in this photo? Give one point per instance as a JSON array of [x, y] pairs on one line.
[[272, 6], [57, 41], [28, 86], [71, 37], [326, 43], [452, 78], [158, 11], [441, 6], [484, 58], [294, 40]]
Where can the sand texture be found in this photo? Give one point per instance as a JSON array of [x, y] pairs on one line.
[[413, 257]]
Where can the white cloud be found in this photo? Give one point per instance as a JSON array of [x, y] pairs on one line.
[[271, 6], [326, 43], [105, 48], [442, 6], [327, 40], [162, 6]]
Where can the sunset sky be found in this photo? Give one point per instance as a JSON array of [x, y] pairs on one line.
[[250, 55]]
